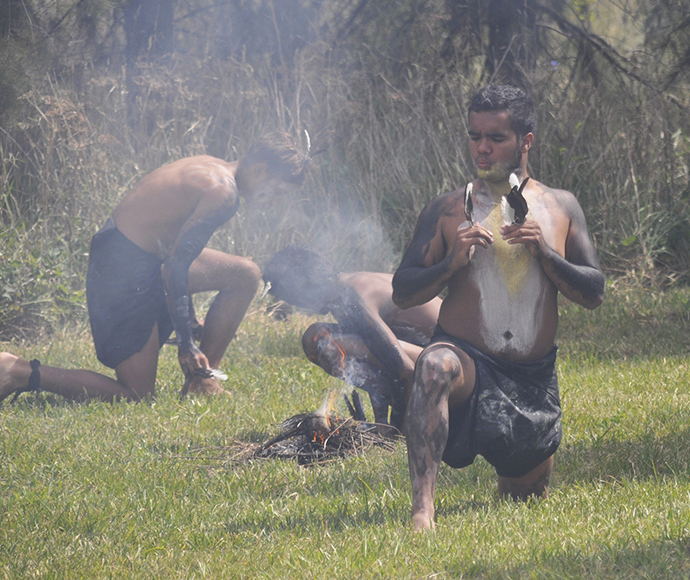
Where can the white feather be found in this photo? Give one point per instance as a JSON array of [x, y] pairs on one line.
[[507, 212]]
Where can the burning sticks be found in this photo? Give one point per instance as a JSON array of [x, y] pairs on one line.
[[322, 436], [312, 438]]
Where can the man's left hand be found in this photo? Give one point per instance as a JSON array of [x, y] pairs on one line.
[[529, 234]]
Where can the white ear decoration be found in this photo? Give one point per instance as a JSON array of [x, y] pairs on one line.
[[267, 287], [308, 145]]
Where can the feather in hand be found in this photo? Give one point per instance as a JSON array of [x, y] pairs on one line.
[[469, 205], [516, 200]]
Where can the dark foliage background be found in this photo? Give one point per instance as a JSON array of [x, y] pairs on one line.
[[96, 93]]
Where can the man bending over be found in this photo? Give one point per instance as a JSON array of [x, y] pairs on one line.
[[375, 343], [487, 382], [148, 260]]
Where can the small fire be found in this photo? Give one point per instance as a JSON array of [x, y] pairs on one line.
[[325, 417], [324, 424]]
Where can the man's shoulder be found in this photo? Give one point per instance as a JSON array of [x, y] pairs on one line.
[[564, 199], [448, 204], [209, 176], [201, 162], [374, 285], [451, 196]]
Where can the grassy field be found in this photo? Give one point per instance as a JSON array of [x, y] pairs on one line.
[[151, 490]]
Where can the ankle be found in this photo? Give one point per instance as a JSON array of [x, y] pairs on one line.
[[423, 520]]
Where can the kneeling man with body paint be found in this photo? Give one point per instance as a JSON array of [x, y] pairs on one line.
[[146, 262], [374, 344], [487, 383]]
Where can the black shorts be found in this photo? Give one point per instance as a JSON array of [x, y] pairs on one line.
[[124, 295], [513, 418]]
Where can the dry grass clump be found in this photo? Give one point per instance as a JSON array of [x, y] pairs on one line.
[[310, 438]]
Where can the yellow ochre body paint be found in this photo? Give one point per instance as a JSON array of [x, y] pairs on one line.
[[513, 260]]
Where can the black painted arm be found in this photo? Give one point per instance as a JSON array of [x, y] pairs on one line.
[[176, 278], [356, 318], [430, 260], [577, 276], [175, 270]]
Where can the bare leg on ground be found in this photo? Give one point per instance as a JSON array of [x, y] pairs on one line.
[[444, 378], [236, 280], [136, 377]]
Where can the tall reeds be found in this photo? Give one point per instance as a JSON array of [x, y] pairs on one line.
[[389, 135]]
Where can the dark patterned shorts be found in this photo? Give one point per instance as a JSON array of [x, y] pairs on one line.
[[125, 296], [513, 418]]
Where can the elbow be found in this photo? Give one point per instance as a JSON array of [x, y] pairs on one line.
[[595, 302], [402, 300], [407, 293], [398, 300], [595, 299]]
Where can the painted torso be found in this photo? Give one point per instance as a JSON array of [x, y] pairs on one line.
[[502, 302]]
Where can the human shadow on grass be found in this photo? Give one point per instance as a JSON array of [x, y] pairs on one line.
[[39, 401], [339, 515], [647, 457], [659, 559]]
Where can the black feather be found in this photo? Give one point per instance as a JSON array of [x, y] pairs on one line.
[[518, 203]]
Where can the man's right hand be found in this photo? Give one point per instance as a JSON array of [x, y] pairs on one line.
[[466, 238], [191, 358]]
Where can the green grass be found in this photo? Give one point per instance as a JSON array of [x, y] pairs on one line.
[[149, 491]]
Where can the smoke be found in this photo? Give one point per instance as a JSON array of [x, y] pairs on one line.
[[352, 240], [336, 228]]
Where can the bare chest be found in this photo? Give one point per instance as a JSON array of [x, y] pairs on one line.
[[503, 300]]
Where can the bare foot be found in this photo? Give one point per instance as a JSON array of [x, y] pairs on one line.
[[421, 521], [8, 384], [204, 386]]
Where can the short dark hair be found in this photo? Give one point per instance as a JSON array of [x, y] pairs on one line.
[[520, 107], [282, 154], [301, 277]]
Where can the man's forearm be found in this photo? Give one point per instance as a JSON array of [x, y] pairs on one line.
[[414, 286], [179, 312], [176, 278], [581, 284], [354, 317]]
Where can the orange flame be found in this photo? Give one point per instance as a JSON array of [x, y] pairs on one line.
[[327, 408]]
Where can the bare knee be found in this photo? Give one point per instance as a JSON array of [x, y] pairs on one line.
[[313, 341], [136, 390], [438, 368], [226, 274], [445, 371], [309, 341], [536, 483], [245, 277]]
